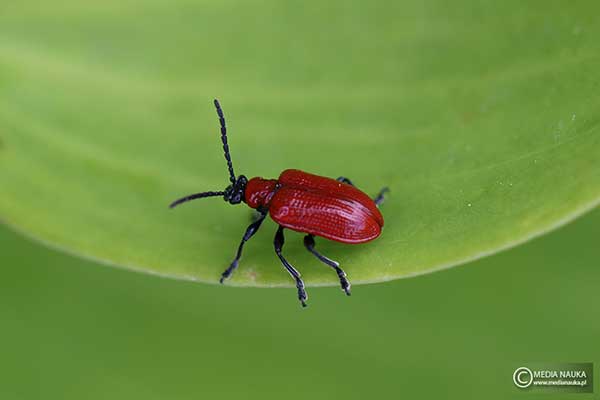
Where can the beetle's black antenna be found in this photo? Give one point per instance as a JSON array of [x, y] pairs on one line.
[[224, 140], [194, 197]]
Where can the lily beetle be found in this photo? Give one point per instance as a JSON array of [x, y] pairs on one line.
[[318, 206]]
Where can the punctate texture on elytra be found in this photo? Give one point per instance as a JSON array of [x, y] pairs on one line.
[[483, 122], [324, 207]]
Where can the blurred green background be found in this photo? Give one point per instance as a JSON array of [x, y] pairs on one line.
[[73, 330]]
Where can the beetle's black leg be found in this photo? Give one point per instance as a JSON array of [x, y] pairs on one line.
[[380, 198], [345, 180], [251, 230], [278, 243], [309, 243], [256, 215]]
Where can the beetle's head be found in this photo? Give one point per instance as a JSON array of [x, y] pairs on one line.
[[235, 192]]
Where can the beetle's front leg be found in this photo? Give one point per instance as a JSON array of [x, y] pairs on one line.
[[251, 230]]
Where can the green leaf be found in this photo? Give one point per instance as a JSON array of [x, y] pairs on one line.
[[483, 119]]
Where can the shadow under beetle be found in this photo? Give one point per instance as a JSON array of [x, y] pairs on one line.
[[318, 206]]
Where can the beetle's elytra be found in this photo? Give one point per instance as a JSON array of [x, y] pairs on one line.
[[318, 206]]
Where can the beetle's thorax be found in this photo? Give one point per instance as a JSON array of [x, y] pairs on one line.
[[259, 192]]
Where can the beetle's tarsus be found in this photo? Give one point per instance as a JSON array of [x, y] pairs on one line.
[[345, 284], [229, 271], [344, 281]]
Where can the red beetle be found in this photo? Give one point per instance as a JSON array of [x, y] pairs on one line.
[[312, 204]]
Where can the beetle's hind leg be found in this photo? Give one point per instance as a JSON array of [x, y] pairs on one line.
[[251, 230], [380, 198], [278, 243], [309, 243]]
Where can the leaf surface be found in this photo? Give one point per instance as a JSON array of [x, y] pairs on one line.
[[482, 119]]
